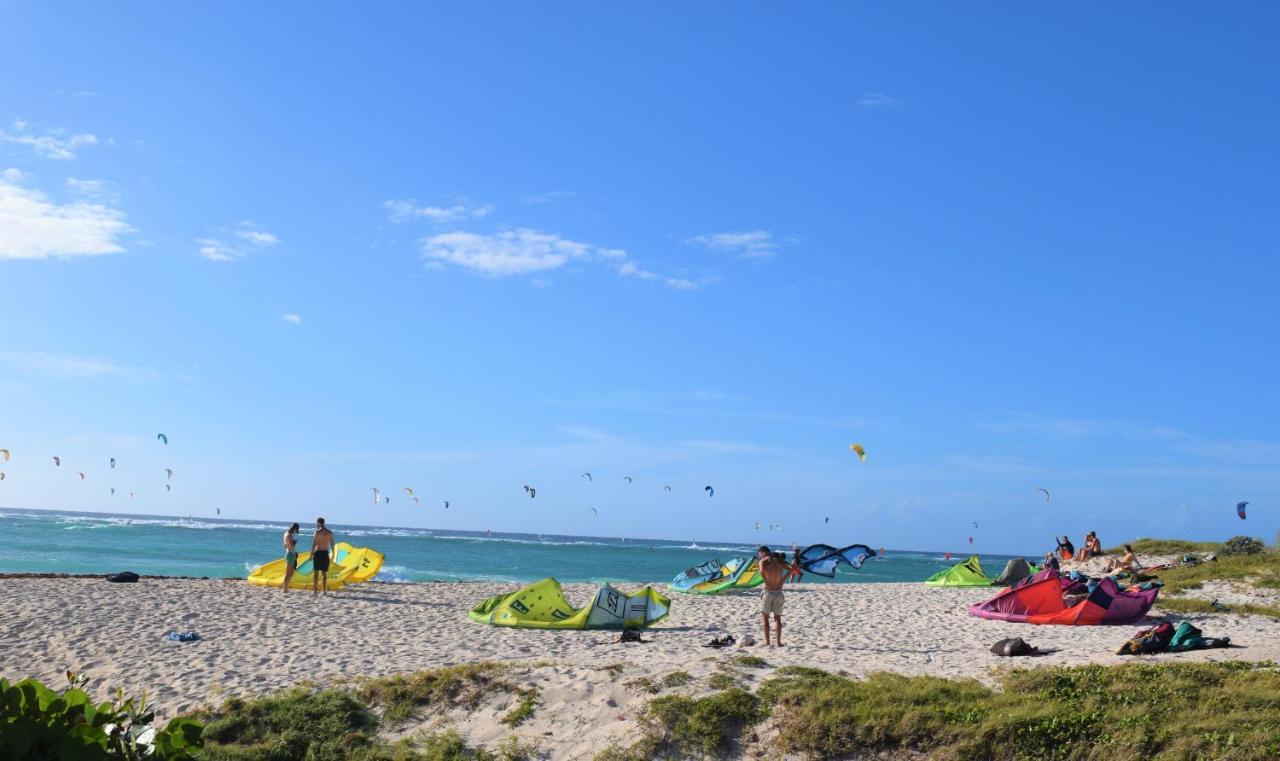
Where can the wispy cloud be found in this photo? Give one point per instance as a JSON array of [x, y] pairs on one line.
[[1078, 428], [291, 318], [511, 252], [402, 211], [236, 243], [872, 99], [680, 284], [554, 196], [630, 269], [34, 227], [751, 244], [72, 366], [53, 144]]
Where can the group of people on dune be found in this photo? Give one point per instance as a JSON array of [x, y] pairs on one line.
[[1092, 549]]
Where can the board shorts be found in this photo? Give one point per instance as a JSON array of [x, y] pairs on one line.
[[771, 602], [291, 559], [320, 560]]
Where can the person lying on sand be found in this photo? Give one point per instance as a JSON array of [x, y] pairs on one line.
[[774, 569]]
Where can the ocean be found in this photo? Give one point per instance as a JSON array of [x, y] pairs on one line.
[[39, 541]]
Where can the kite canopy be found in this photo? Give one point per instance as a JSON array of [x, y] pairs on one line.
[[1240, 509], [823, 559], [966, 574], [541, 605], [1014, 571], [350, 565], [715, 576], [1041, 602]]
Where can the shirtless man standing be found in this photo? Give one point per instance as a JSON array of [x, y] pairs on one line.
[[321, 548], [774, 571], [290, 555]]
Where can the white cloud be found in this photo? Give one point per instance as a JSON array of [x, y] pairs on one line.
[[50, 145], [291, 318], [34, 227], [629, 269], [401, 211], [752, 244], [511, 252], [251, 237], [71, 366], [680, 284], [873, 99]]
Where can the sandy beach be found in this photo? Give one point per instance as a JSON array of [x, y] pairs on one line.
[[255, 640]]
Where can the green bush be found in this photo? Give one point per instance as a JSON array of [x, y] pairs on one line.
[[1242, 545], [39, 723]]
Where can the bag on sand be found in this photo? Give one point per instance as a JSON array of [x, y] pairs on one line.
[[124, 577], [1153, 640], [1014, 646]]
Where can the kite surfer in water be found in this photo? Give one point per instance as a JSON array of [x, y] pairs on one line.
[[775, 570]]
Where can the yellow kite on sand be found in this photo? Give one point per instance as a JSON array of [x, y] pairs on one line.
[[541, 605], [350, 565]]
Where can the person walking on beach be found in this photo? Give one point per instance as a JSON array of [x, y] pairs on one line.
[[774, 569], [321, 547], [290, 555]]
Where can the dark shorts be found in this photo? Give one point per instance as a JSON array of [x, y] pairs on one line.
[[320, 560]]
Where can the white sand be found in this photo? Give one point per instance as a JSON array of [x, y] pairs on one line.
[[255, 639]]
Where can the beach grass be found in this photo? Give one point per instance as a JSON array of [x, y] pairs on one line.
[[344, 722], [1228, 711], [1146, 546], [524, 709]]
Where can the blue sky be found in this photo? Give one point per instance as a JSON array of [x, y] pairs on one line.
[[466, 249]]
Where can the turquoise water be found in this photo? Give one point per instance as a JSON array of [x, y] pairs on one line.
[[67, 542]]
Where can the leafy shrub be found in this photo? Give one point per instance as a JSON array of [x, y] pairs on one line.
[[39, 723], [1242, 545]]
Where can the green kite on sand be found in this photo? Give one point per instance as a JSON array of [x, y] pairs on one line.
[[541, 605], [966, 574]]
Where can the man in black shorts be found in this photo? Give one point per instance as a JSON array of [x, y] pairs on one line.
[[321, 549]]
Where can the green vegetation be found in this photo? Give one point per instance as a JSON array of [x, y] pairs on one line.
[[641, 684], [1166, 547], [751, 661], [680, 727], [37, 722], [676, 679], [1227, 711], [529, 699], [319, 725], [1243, 545], [723, 681], [614, 669], [403, 694]]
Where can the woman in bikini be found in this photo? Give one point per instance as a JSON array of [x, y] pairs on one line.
[[290, 555]]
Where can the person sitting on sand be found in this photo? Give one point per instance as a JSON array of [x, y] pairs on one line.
[[321, 547], [290, 555], [1127, 563], [1092, 547], [1066, 550], [774, 569]]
